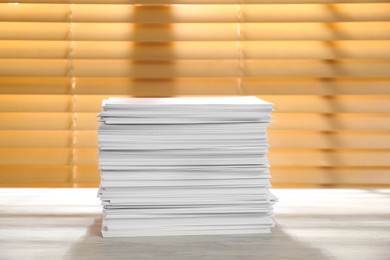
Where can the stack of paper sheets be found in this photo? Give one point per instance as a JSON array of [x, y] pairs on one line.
[[184, 166]]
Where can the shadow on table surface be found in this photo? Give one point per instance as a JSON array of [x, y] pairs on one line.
[[277, 245]]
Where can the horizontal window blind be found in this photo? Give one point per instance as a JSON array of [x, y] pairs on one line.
[[324, 64]]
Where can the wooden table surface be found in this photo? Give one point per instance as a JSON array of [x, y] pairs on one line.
[[311, 224]]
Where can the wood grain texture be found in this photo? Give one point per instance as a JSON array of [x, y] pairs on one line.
[[311, 224]]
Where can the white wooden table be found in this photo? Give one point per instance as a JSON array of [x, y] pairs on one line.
[[311, 224]]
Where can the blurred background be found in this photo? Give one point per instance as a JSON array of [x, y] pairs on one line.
[[324, 64]]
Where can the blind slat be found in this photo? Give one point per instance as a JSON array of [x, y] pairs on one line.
[[335, 140], [48, 139], [195, 86], [21, 174], [332, 176], [328, 158], [257, 68], [39, 121], [190, 13], [193, 2], [35, 156], [318, 122], [195, 31], [301, 104], [41, 139], [196, 50]]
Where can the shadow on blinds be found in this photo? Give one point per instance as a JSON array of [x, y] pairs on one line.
[[332, 180], [163, 87]]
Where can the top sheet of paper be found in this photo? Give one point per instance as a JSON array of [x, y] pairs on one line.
[[246, 100]]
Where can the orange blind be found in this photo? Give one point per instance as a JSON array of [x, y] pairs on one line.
[[324, 64]]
